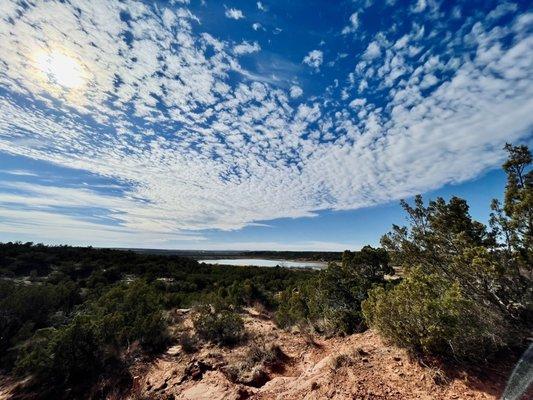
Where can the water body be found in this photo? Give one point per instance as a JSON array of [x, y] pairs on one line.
[[260, 262]]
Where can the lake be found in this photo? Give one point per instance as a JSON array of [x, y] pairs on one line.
[[259, 262]]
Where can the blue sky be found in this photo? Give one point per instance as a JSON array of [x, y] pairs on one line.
[[253, 125]]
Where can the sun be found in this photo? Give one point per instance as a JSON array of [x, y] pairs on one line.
[[57, 68]]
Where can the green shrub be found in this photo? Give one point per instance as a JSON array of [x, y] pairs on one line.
[[428, 314], [27, 308], [292, 308], [66, 355], [468, 290], [188, 343], [131, 312], [246, 294], [330, 302], [261, 353], [218, 325], [253, 369], [93, 340]]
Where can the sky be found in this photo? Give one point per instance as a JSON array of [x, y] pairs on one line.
[[197, 124]]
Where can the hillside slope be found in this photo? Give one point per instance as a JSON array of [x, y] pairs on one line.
[[360, 366]]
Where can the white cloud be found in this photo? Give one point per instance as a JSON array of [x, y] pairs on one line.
[[256, 26], [355, 103], [428, 81], [261, 6], [18, 172], [419, 6], [372, 51], [56, 211], [234, 13], [354, 24], [296, 91], [501, 10], [246, 48], [314, 59]]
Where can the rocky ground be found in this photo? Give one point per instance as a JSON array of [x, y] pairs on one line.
[[360, 366], [275, 364]]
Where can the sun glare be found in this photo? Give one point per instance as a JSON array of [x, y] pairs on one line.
[[58, 68]]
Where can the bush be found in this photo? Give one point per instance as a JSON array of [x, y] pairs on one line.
[[79, 351], [263, 354], [87, 309], [131, 312], [222, 326], [331, 301], [188, 343], [254, 369], [468, 290], [292, 307], [27, 308], [340, 361], [429, 315], [66, 355]]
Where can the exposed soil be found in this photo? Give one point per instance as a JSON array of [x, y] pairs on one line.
[[360, 366]]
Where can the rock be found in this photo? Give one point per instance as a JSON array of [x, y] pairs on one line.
[[196, 369], [361, 352], [255, 378]]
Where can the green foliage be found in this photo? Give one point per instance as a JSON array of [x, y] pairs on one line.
[[122, 293], [68, 315], [370, 263], [78, 351], [263, 354], [444, 239], [26, 308], [246, 294], [331, 302], [66, 355], [293, 308], [131, 312], [513, 223], [468, 291], [188, 343], [429, 314], [218, 324]]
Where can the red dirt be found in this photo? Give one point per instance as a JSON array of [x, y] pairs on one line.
[[360, 366], [367, 369]]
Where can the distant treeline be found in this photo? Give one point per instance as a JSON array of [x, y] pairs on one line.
[[324, 256]]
